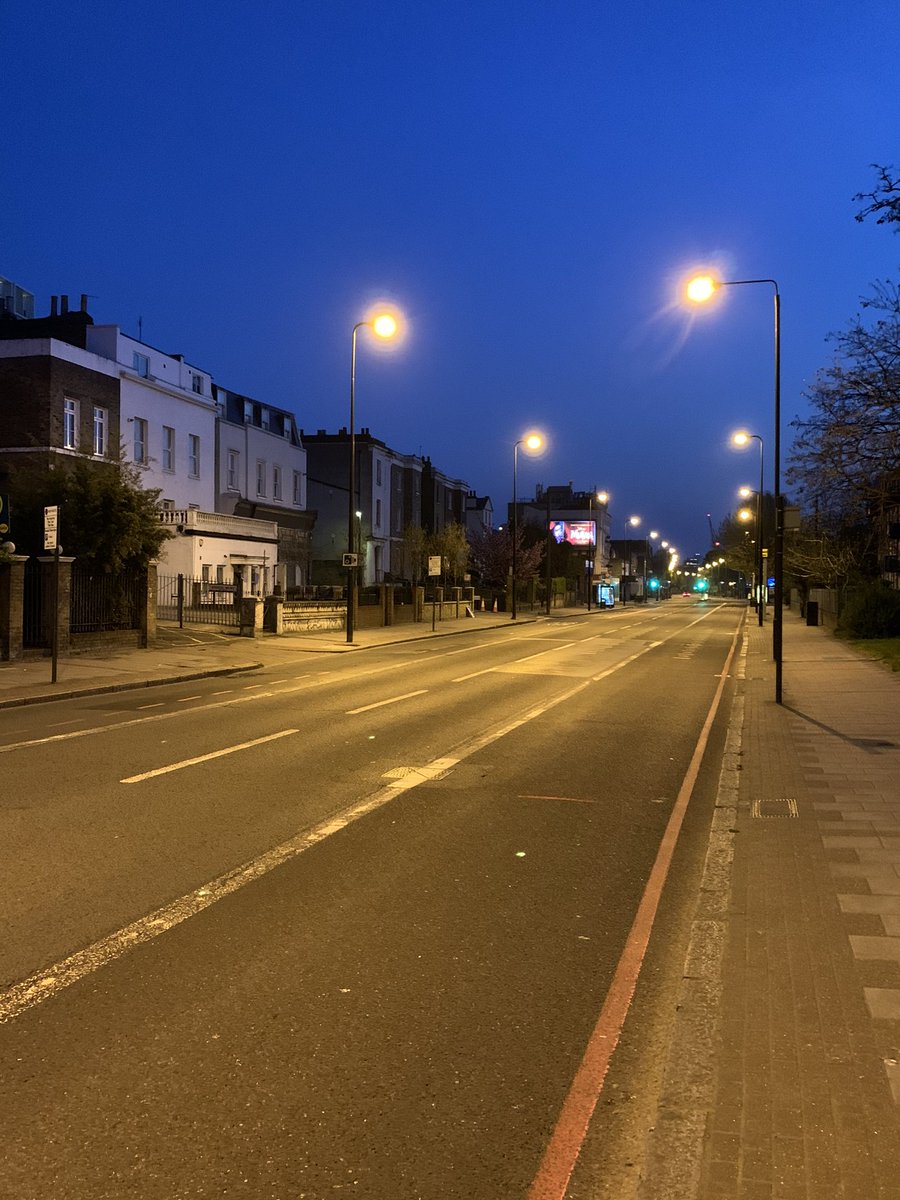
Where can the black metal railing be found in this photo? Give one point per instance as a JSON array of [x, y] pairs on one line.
[[33, 635], [103, 602], [187, 600]]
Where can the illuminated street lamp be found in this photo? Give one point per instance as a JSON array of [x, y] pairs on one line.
[[741, 439], [533, 443], [699, 290], [601, 498], [384, 325], [633, 523]]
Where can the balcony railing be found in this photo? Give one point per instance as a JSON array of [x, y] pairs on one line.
[[222, 523]]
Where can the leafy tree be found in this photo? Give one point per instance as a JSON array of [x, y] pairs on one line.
[[491, 556], [415, 552], [452, 545], [106, 519]]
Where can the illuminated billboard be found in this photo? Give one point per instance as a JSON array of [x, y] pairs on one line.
[[576, 533]]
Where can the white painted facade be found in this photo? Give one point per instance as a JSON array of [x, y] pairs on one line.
[[161, 390], [169, 431]]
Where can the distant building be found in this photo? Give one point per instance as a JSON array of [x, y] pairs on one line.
[[479, 514], [261, 472], [393, 492]]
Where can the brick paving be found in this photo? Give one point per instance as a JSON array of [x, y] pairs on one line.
[[805, 1095]]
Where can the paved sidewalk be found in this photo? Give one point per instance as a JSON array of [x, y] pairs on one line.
[[192, 654], [784, 1081]]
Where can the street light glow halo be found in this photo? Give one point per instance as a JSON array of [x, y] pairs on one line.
[[701, 288]]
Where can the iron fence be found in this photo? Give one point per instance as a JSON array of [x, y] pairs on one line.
[[185, 599], [103, 602], [33, 633]]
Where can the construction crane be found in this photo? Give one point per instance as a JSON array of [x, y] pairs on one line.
[[712, 533]]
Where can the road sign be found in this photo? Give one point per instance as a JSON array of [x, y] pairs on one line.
[[434, 564], [51, 516], [351, 560]]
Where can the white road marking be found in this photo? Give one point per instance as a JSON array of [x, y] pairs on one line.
[[158, 704], [184, 699], [513, 662], [44, 984], [352, 712], [192, 762]]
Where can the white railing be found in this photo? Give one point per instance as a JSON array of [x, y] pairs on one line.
[[207, 522]]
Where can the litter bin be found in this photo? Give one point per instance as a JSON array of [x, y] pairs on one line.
[[812, 612]]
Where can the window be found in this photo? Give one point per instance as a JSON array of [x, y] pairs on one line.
[[298, 487], [276, 482], [260, 477], [378, 471], [377, 514], [70, 424], [142, 365], [220, 574], [197, 384], [100, 420], [168, 448], [193, 456], [232, 470], [140, 440]]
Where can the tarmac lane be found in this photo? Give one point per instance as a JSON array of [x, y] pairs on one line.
[[398, 1008]]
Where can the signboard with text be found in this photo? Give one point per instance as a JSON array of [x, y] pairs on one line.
[[51, 516]]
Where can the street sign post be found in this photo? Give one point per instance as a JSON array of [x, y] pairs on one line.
[[51, 542]]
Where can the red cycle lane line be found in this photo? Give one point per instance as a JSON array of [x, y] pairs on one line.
[[564, 1147]]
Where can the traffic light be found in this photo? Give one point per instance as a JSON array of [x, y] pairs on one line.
[[702, 585], [653, 584]]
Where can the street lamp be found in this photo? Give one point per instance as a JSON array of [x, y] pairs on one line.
[[385, 326], [700, 289], [632, 522], [601, 498], [742, 438], [533, 442]]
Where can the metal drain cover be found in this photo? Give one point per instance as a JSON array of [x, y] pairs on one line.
[[784, 807]]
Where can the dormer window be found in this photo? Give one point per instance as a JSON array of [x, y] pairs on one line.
[[142, 365]]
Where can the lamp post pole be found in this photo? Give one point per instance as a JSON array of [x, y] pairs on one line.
[[533, 442], [515, 522], [699, 290], [384, 326], [351, 490]]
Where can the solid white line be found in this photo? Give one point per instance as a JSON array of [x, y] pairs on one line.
[[352, 712], [192, 762]]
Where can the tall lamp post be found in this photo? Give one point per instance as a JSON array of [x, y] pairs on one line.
[[601, 498], [742, 438], [384, 325], [632, 523], [699, 290], [532, 442]]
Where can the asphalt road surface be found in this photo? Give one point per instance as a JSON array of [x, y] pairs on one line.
[[348, 928]]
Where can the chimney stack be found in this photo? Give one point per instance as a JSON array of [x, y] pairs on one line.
[[64, 305], [84, 301], [52, 306]]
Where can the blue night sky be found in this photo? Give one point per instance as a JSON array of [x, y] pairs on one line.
[[527, 180]]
